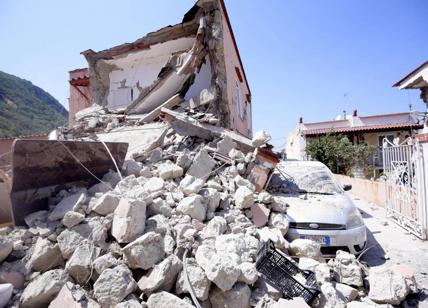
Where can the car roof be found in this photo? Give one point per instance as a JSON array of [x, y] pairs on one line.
[[303, 163]]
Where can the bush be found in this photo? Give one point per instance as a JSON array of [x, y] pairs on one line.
[[340, 154]]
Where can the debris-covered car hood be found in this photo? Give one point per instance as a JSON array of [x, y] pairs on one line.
[[331, 209]]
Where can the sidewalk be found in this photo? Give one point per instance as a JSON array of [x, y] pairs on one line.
[[392, 244]]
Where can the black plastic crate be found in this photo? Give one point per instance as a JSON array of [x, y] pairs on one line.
[[278, 271]]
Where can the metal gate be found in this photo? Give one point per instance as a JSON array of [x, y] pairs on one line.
[[405, 185]]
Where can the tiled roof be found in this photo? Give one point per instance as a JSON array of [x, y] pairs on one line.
[[380, 127]]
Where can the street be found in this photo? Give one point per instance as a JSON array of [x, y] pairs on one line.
[[390, 244]]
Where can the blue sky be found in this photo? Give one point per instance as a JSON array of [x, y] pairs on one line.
[[311, 58]]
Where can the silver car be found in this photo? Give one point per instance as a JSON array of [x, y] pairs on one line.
[[319, 209]]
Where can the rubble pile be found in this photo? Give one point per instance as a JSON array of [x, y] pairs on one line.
[[173, 224]]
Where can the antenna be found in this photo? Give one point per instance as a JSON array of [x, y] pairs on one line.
[[344, 114]]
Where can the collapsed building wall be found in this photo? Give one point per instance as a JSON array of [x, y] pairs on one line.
[[197, 59]]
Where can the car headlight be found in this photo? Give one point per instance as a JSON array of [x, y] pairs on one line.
[[354, 220]]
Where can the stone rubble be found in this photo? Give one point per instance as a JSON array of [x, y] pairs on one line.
[[186, 201]]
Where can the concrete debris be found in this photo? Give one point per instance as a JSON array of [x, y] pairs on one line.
[[197, 278], [114, 285], [43, 289], [145, 251], [260, 138], [238, 296], [162, 277], [67, 204], [6, 290], [6, 247], [165, 299], [222, 269], [106, 204], [45, 256], [193, 206], [72, 219], [305, 248], [346, 269], [244, 197], [190, 192], [387, 286], [128, 220], [79, 266]]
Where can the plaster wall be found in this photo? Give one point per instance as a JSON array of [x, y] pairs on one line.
[[77, 101], [143, 67], [239, 121]]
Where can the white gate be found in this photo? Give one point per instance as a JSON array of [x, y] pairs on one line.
[[405, 185]]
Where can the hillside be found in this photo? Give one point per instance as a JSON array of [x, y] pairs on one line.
[[26, 109]]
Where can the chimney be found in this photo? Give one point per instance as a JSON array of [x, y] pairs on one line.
[[301, 120], [355, 113], [344, 114]]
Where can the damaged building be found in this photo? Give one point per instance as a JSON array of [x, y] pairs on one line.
[[193, 65]]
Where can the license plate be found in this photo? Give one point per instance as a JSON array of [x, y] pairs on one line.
[[323, 240]]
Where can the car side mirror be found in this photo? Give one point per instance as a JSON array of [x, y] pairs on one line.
[[347, 187]]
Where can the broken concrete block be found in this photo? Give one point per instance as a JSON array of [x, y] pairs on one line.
[[114, 285], [15, 278], [333, 299], [245, 246], [409, 274], [105, 261], [6, 290], [146, 172], [162, 277], [260, 138], [132, 167], [202, 165], [275, 235], [191, 185], [145, 251], [159, 206], [34, 219], [249, 273], [79, 266], [346, 291], [100, 188], [95, 229], [68, 241], [308, 264], [112, 178], [244, 198], [6, 247], [225, 145], [237, 155], [197, 278], [240, 181], [158, 224], [279, 204], [213, 198], [168, 171], [70, 296], [154, 184], [305, 248], [347, 270], [106, 204], [132, 303], [279, 221], [215, 227], [129, 220], [222, 269], [165, 299], [265, 197], [238, 296], [70, 203], [43, 289], [72, 219], [45, 256], [387, 286], [260, 214], [193, 206]]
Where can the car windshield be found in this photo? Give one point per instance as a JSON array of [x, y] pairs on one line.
[[298, 179]]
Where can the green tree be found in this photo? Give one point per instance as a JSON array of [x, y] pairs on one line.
[[340, 154]]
